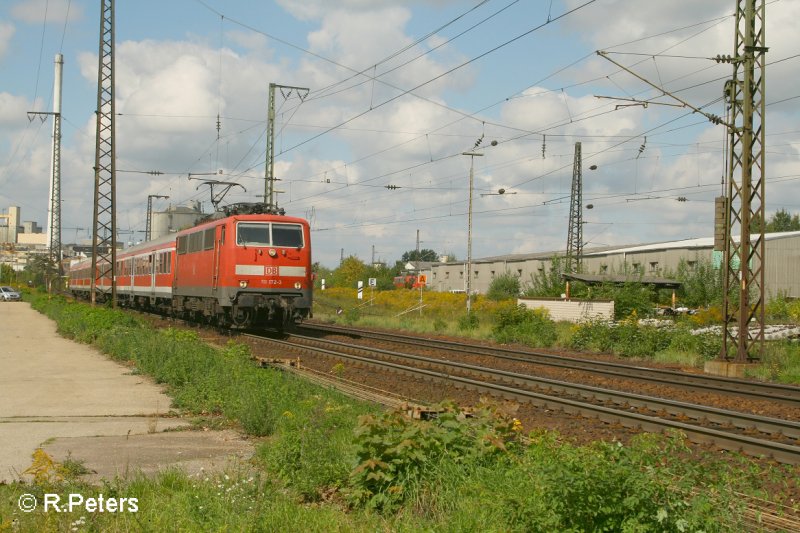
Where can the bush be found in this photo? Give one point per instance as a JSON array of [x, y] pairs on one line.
[[777, 308], [593, 335], [631, 339], [794, 311], [519, 324], [629, 299], [504, 287]]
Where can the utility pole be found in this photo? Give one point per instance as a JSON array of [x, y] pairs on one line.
[[742, 207], [269, 173], [743, 262], [104, 245], [575, 231], [472, 156], [54, 208], [149, 225], [418, 274]]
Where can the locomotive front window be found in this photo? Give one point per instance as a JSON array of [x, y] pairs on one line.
[[264, 234], [253, 234], [289, 235]]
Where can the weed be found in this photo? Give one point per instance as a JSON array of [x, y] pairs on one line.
[[468, 322]]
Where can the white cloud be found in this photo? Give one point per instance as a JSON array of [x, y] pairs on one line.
[[55, 11], [6, 33], [315, 9]]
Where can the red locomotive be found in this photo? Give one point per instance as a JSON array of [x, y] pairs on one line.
[[246, 267]]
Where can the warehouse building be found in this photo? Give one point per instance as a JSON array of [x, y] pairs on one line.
[[781, 276]]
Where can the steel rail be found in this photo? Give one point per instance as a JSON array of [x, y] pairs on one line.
[[737, 419], [781, 452], [751, 389]]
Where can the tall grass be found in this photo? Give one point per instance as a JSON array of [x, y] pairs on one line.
[[331, 464]]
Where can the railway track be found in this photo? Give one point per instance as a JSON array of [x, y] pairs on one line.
[[752, 434], [787, 394]]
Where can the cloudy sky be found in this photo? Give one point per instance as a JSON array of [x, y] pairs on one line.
[[397, 92]]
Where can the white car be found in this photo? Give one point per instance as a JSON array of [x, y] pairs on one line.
[[8, 294]]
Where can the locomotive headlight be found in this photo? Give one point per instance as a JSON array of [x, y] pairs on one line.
[[298, 285], [273, 252], [243, 284]]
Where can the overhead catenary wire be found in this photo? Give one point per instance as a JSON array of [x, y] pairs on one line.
[[553, 134]]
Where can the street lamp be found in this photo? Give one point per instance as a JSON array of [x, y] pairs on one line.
[[472, 156]]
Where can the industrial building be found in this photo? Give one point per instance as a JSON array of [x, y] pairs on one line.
[[19, 239], [176, 218], [781, 276]]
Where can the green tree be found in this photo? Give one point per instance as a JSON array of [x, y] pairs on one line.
[[782, 221], [7, 274], [321, 272], [383, 276], [349, 272], [504, 287], [429, 256], [40, 269]]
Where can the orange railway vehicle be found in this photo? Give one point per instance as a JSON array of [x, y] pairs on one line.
[[244, 268]]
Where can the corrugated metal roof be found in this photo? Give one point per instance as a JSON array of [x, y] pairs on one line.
[[702, 242]]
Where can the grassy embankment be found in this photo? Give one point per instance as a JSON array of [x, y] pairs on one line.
[[327, 463]]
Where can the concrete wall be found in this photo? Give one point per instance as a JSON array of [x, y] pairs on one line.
[[572, 310], [32, 239]]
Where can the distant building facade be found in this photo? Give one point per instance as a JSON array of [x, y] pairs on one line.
[[20, 240], [781, 256]]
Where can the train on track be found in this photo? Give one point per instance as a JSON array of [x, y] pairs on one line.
[[247, 266]]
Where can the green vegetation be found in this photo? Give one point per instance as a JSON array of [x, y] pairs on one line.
[[515, 323], [782, 220], [672, 341], [328, 463], [504, 287]]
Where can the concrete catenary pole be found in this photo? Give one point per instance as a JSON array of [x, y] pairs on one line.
[[54, 209]]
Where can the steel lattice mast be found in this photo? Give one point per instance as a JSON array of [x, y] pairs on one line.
[[269, 171], [743, 261], [575, 231], [104, 250]]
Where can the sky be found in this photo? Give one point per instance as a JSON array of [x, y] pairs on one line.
[[372, 153]]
